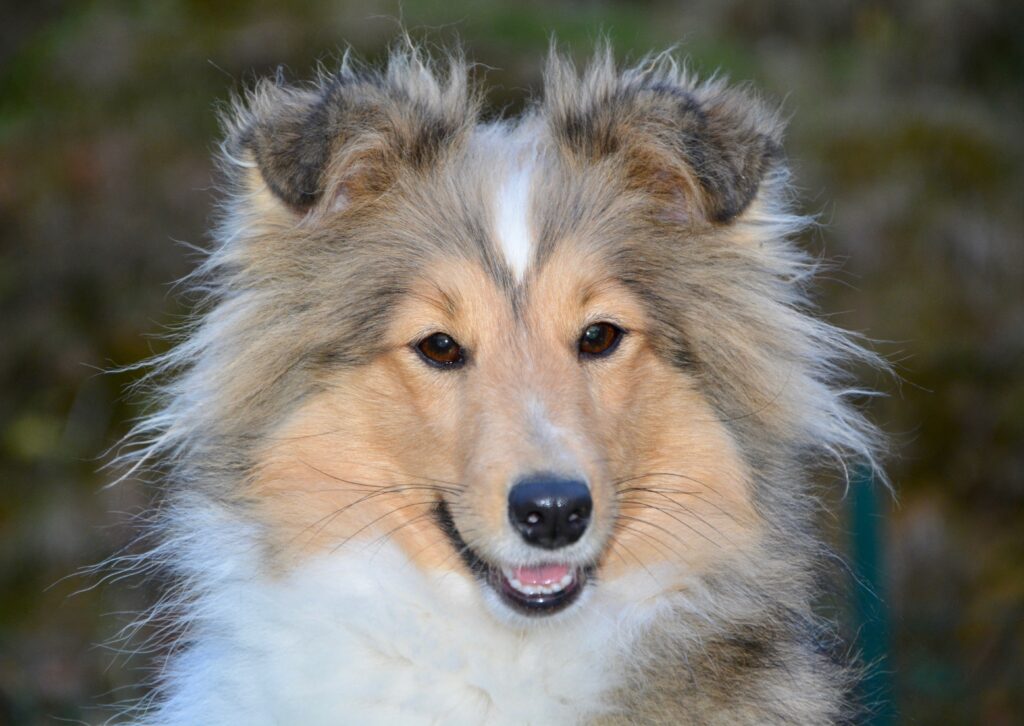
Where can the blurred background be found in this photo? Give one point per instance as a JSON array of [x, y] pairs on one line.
[[906, 139]]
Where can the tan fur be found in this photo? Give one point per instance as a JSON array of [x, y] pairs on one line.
[[667, 481]]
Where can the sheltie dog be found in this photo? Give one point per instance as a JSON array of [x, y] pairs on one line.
[[500, 420]]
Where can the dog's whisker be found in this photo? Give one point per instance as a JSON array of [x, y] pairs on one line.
[[670, 497], [325, 521], [667, 552], [301, 437], [374, 521], [676, 475], [383, 538], [619, 544], [382, 491], [456, 486], [453, 489], [669, 532], [697, 495], [685, 511]]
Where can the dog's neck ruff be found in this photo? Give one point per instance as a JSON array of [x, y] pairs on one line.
[[364, 636]]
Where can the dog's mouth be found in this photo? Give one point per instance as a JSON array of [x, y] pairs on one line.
[[534, 590], [540, 590]]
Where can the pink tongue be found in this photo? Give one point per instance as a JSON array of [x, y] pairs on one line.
[[543, 575]]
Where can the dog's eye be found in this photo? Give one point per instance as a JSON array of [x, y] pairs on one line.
[[599, 339], [440, 349]]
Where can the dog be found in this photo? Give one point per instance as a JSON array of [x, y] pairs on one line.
[[500, 420]]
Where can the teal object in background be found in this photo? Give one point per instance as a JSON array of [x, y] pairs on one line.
[[870, 608]]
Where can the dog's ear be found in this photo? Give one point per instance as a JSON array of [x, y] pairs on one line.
[[290, 137], [705, 147], [348, 136]]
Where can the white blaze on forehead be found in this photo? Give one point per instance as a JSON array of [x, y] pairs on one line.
[[512, 217]]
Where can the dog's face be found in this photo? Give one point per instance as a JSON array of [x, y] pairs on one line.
[[498, 373]]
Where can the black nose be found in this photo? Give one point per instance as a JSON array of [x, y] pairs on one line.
[[550, 512]]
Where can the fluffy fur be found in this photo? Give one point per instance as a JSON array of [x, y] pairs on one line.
[[305, 451]]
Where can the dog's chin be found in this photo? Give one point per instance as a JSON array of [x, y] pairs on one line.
[[531, 590]]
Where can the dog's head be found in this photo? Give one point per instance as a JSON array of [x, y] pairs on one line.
[[546, 353]]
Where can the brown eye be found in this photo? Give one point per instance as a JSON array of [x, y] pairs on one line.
[[599, 339], [440, 349]]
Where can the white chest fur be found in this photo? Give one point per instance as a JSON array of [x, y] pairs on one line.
[[367, 638]]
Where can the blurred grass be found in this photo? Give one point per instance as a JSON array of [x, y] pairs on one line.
[[905, 138]]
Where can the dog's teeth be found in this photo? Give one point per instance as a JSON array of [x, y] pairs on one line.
[[545, 589]]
